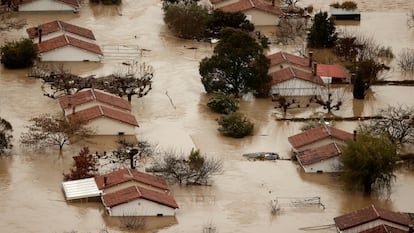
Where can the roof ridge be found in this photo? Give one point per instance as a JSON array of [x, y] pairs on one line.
[[327, 129], [139, 191], [93, 93], [292, 71], [283, 55], [66, 38], [251, 3], [375, 210], [102, 113], [60, 25]]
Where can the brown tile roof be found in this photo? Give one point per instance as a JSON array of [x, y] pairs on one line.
[[316, 134], [102, 111], [58, 25], [126, 174], [65, 40], [369, 214], [244, 5], [333, 71], [135, 192], [90, 95], [318, 154], [281, 57], [292, 73], [73, 3], [383, 229]]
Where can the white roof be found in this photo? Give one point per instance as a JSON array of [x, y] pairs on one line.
[[83, 188]]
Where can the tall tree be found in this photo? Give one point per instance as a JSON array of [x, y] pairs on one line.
[[6, 131], [220, 19], [369, 162], [84, 166], [237, 66], [322, 34], [18, 54], [359, 87], [47, 130]]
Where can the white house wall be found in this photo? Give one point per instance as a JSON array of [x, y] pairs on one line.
[[109, 126], [45, 5], [59, 33], [132, 183], [295, 87], [261, 18], [319, 143], [327, 165], [372, 224], [90, 104], [69, 53], [283, 65], [141, 207]]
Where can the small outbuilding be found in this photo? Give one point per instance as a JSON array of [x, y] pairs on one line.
[[45, 5], [139, 201], [325, 158], [330, 73], [81, 189], [338, 13]]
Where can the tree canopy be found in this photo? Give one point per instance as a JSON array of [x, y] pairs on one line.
[[322, 34], [235, 125], [6, 130], [18, 54], [84, 166], [237, 66], [220, 19], [221, 103], [369, 162]]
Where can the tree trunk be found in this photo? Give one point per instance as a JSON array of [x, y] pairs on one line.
[[129, 98], [60, 147]]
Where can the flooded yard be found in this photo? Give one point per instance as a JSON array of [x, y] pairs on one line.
[[174, 115]]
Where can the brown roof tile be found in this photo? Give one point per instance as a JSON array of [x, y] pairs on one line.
[[58, 25], [369, 214], [333, 71], [90, 95], [244, 5], [292, 73], [126, 174], [383, 229], [281, 57], [318, 154], [316, 134], [73, 3], [65, 40], [102, 111], [135, 192]]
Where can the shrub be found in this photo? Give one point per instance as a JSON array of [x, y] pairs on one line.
[[235, 125], [344, 5], [18, 54], [222, 103]]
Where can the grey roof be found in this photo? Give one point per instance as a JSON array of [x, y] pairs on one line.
[[83, 188]]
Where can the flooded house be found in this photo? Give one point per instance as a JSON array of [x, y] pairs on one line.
[[373, 219], [45, 5], [258, 12], [338, 13], [330, 73], [104, 113], [281, 60], [321, 159]]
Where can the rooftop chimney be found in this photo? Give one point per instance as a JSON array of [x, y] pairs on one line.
[[410, 229], [39, 31], [315, 66], [310, 58], [105, 181], [273, 2]]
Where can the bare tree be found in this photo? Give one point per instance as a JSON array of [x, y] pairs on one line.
[[290, 102], [48, 130], [291, 29], [133, 222], [330, 99], [84, 166], [397, 123], [406, 60], [410, 20], [290, 3], [7, 22], [6, 136]]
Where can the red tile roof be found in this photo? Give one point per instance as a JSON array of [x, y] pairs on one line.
[[316, 134], [368, 214], [318, 154], [383, 229], [90, 95], [65, 40], [292, 73], [102, 111], [135, 192], [333, 71], [244, 5], [73, 3], [125, 175], [58, 25], [281, 57]]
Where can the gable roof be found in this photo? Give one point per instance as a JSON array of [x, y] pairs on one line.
[[281, 57], [91, 95], [58, 25], [292, 73], [316, 134], [65, 40], [73, 3], [383, 229], [369, 214], [318, 154], [102, 111], [126, 174], [244, 5], [135, 192], [326, 70]]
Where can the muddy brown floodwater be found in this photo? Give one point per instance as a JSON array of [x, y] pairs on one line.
[[175, 116]]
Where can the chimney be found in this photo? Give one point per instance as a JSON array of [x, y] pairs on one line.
[[310, 58], [410, 229], [105, 181], [273, 2], [355, 135], [315, 65], [39, 31]]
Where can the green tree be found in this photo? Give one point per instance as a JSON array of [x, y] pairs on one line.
[[235, 125], [237, 66], [359, 87], [6, 130], [222, 103], [220, 19], [18, 54], [369, 162], [187, 21], [323, 32]]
